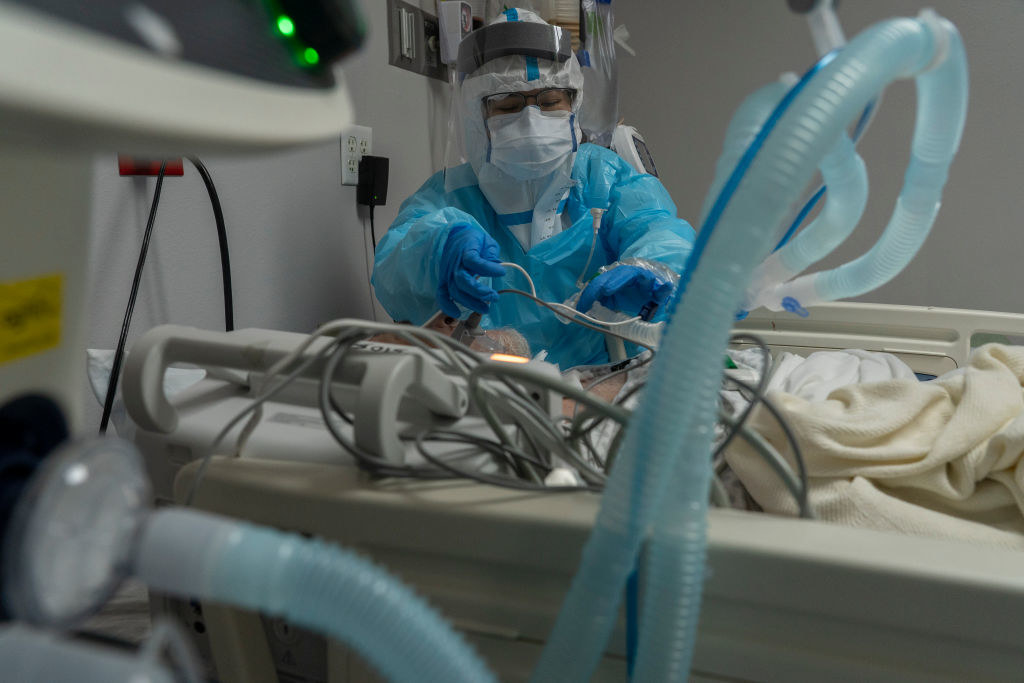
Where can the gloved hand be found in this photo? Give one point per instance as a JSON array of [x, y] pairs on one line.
[[468, 252], [625, 288]]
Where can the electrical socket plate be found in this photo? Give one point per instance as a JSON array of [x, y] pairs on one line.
[[355, 142], [414, 40]]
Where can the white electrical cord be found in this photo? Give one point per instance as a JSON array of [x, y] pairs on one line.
[[569, 311], [572, 312], [508, 399], [529, 280]]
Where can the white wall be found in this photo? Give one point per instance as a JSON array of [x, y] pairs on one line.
[[299, 253], [698, 59], [297, 237]]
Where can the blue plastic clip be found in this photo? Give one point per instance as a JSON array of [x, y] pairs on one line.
[[793, 306]]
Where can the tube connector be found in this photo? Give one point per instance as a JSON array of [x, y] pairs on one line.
[[178, 548], [825, 28]]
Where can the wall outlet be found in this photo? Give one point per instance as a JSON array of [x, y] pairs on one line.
[[355, 142]]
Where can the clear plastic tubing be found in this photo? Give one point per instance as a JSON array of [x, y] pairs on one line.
[[844, 174], [310, 583], [846, 177], [744, 126], [941, 112], [668, 443]]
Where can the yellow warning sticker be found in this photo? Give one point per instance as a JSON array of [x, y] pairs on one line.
[[30, 315]]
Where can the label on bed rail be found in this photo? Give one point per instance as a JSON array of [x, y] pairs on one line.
[[30, 316]]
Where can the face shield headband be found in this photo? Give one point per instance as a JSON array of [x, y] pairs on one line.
[[513, 38]]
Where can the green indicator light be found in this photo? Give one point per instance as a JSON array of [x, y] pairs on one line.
[[311, 56], [285, 25]]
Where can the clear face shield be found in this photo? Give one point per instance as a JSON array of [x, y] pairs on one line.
[[517, 86]]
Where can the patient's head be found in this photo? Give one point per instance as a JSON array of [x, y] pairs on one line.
[[507, 341], [502, 340]]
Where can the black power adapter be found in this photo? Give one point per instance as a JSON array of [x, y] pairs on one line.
[[372, 186]]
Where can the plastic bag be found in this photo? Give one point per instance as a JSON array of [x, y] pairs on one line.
[[599, 112]]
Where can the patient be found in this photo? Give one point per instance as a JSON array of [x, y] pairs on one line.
[[501, 340]]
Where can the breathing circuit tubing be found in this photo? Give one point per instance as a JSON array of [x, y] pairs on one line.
[[94, 495], [774, 286], [858, 130], [310, 583], [668, 443]]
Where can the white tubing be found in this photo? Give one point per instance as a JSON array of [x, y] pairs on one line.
[[846, 177]]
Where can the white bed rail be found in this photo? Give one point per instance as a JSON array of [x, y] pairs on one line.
[[930, 340]]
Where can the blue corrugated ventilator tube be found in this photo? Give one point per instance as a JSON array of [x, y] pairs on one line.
[[310, 583], [900, 241], [845, 176], [88, 506], [862, 124], [659, 484]]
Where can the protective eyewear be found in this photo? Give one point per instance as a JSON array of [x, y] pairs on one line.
[[549, 99]]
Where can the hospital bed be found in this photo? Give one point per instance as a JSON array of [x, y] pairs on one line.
[[785, 599]]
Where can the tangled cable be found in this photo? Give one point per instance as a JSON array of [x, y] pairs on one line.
[[517, 442]]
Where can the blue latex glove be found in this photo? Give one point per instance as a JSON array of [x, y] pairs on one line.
[[628, 289], [468, 252]]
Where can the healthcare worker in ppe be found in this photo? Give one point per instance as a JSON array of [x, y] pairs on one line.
[[525, 197]]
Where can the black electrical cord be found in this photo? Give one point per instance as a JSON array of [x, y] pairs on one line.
[[115, 371], [222, 239]]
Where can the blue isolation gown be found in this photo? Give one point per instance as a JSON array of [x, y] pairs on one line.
[[639, 222]]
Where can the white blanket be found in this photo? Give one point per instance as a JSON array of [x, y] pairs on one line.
[[821, 373], [940, 458]]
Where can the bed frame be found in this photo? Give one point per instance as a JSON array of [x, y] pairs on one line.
[[785, 599], [930, 340]]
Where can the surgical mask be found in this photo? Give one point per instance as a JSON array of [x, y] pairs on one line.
[[531, 144]]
